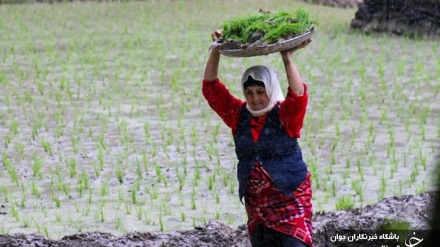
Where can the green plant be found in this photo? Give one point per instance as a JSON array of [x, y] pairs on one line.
[[271, 26], [345, 203]]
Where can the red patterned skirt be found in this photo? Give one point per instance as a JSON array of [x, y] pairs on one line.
[[265, 204]]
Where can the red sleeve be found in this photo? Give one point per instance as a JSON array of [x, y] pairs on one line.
[[292, 112], [223, 102]]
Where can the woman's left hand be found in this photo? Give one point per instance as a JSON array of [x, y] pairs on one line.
[[291, 51]]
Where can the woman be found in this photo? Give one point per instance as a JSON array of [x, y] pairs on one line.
[[273, 178]]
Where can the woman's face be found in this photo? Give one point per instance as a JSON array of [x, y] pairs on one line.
[[256, 97]]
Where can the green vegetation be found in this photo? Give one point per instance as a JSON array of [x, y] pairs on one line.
[[103, 126], [270, 26]]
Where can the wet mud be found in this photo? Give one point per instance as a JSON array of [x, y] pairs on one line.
[[413, 209]]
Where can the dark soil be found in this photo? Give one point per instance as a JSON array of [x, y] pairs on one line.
[[413, 209], [337, 3], [401, 17]]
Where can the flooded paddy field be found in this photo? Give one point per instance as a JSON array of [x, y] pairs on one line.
[[103, 126]]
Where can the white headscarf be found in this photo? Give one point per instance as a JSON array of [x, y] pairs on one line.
[[271, 83]]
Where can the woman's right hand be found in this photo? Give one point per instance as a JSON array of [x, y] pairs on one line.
[[216, 35]]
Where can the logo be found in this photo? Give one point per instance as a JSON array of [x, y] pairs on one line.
[[412, 241]]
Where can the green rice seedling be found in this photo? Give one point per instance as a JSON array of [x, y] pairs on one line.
[[120, 174], [56, 199], [194, 221], [232, 187], [347, 163], [197, 173], [334, 188], [46, 146], [35, 190], [36, 168], [273, 25], [346, 202], [128, 208], [358, 187], [13, 127], [80, 189], [204, 221], [328, 170], [101, 214], [217, 198], [154, 193], [345, 177], [86, 210], [138, 169], [144, 160], [165, 208], [161, 224], [14, 212], [63, 186], [23, 199], [211, 181], [164, 180], [40, 87], [101, 141], [71, 165], [333, 160], [394, 166], [139, 212], [217, 214], [84, 180], [89, 199], [120, 194], [382, 187], [58, 217], [181, 178], [4, 230], [96, 170], [185, 164], [11, 170], [182, 215], [104, 188], [19, 148], [120, 225], [27, 221], [226, 178], [134, 199], [74, 143], [193, 202]]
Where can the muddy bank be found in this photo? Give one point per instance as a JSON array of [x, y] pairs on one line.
[[411, 17], [337, 3], [414, 209]]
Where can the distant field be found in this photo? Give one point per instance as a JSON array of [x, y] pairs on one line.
[[103, 126]]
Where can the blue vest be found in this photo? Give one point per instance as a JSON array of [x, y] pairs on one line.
[[278, 153]]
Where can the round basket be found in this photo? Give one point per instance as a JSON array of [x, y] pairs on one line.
[[252, 51]]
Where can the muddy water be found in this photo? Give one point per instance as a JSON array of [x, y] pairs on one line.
[[415, 210], [134, 146]]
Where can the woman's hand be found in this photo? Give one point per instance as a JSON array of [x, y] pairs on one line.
[[216, 35], [289, 53], [211, 69]]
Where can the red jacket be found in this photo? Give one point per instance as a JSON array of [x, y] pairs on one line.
[[291, 113]]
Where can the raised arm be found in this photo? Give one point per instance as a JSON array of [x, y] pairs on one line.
[[293, 77], [293, 109], [211, 69], [218, 96]]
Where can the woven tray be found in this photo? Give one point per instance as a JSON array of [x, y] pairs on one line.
[[252, 51]]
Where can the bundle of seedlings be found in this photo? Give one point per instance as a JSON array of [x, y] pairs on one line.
[[264, 28]]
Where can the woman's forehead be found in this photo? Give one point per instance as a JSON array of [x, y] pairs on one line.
[[254, 88]]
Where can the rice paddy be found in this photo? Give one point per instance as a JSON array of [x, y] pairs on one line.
[[103, 126]]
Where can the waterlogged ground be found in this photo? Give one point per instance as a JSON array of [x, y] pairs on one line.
[[386, 214], [104, 128]]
